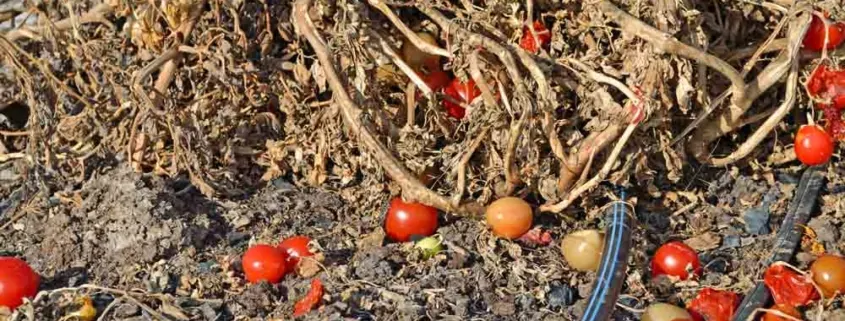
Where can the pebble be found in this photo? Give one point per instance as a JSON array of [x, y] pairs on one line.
[[126, 310], [560, 295], [824, 229], [757, 220]]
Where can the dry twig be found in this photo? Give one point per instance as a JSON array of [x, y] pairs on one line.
[[96, 14]]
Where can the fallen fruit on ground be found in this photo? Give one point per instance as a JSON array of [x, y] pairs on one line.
[[406, 219], [665, 312], [783, 308], [827, 86], [583, 249], [295, 247], [789, 287], [509, 217], [429, 246], [829, 274], [311, 299], [675, 259], [714, 305], [532, 44], [813, 145], [815, 37], [17, 281], [462, 92], [264, 263], [436, 79], [416, 58]]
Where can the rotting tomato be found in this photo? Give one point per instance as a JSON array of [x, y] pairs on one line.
[[295, 247], [827, 85], [416, 58], [406, 219], [789, 287], [783, 308], [829, 274], [814, 39], [833, 121], [714, 305], [463, 92], [311, 299], [509, 217], [529, 43], [17, 281], [264, 263], [665, 312], [583, 249], [813, 145], [675, 259]]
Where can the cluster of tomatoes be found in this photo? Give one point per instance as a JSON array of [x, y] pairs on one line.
[[266, 263], [826, 86], [457, 94], [790, 289], [17, 281]]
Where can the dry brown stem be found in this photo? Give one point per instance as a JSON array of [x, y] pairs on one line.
[[475, 73], [410, 34], [462, 165], [96, 14], [412, 188]]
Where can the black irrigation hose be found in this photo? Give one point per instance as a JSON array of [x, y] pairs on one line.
[[614, 263], [787, 239]]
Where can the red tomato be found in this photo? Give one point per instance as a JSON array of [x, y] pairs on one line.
[[17, 281], [789, 287], [264, 263], [509, 217], [814, 39], [813, 145], [829, 273], [675, 259], [295, 247], [785, 309], [406, 219], [533, 45], [311, 299], [462, 92], [827, 85], [833, 122], [714, 305]]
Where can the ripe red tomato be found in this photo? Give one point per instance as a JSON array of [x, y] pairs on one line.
[[17, 281], [829, 273], [533, 45], [311, 299], [461, 92], [714, 305], [509, 217], [827, 86], [295, 247], [789, 287], [675, 259], [436, 79], [813, 145], [783, 308], [406, 219], [814, 39], [264, 263]]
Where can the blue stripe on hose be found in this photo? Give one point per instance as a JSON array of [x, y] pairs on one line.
[[603, 282]]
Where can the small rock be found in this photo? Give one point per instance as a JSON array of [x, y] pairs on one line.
[[757, 220], [560, 295], [503, 308], [825, 231], [731, 241], [804, 257], [126, 310], [525, 302], [703, 242]]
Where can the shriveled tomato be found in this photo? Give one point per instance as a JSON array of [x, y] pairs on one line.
[[714, 305], [789, 287], [463, 92], [311, 299], [833, 122], [406, 219], [675, 259], [813, 145], [783, 308], [829, 273], [264, 263], [17, 281], [529, 43], [295, 247], [509, 217], [827, 85], [814, 39]]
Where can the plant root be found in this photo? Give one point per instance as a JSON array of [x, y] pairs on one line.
[[412, 188]]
